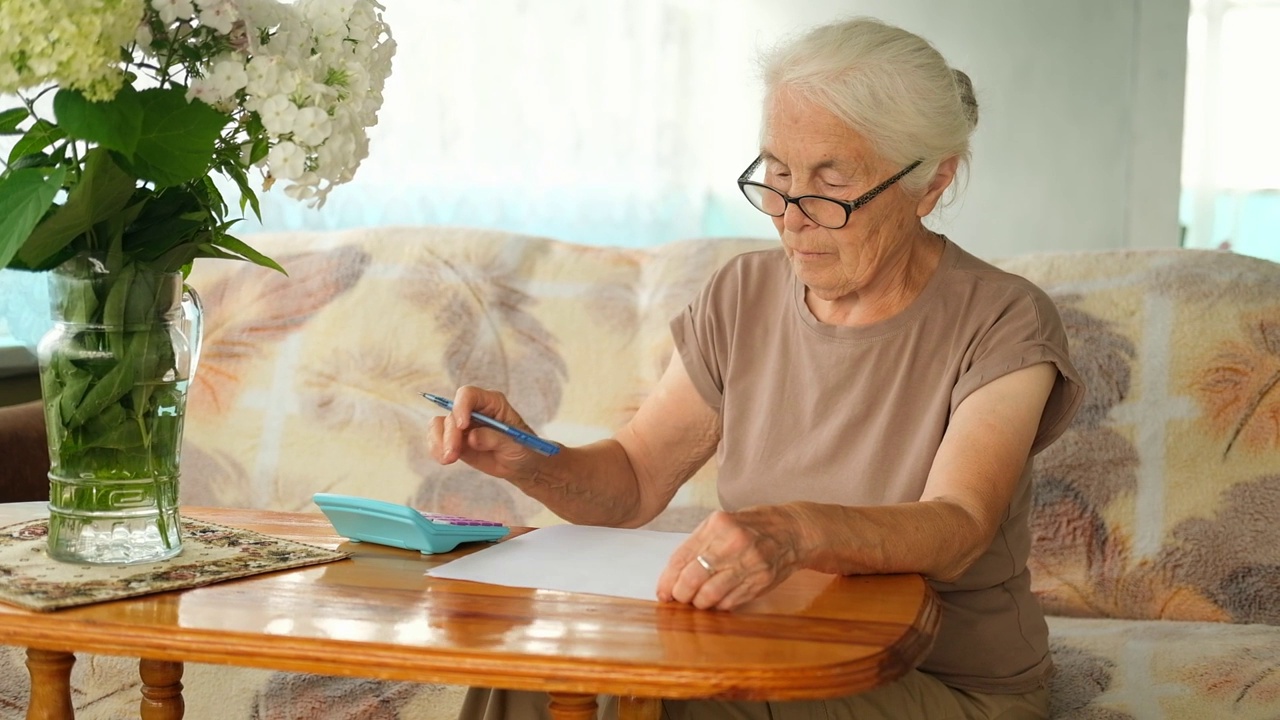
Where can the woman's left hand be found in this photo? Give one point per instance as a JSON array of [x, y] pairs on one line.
[[731, 558]]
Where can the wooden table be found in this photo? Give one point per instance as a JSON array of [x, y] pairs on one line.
[[376, 615]]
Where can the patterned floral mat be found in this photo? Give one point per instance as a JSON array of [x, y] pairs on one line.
[[211, 553]]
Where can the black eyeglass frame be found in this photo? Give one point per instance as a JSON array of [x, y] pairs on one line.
[[848, 205]]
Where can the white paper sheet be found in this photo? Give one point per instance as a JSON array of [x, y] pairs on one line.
[[576, 558]]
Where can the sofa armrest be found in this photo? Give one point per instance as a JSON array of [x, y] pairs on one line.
[[24, 453]]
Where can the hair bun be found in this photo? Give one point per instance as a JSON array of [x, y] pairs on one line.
[[967, 99]]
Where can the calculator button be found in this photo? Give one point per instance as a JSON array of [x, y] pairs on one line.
[[440, 519]]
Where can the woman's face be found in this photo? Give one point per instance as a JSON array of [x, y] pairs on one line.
[[808, 151]]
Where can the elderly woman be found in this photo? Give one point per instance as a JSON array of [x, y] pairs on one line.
[[876, 393]]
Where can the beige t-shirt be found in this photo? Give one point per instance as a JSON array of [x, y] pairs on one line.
[[855, 415]]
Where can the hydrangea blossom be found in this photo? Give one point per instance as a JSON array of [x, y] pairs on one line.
[[75, 43], [313, 72], [309, 75]]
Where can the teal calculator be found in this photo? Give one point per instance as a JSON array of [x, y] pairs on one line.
[[387, 523]]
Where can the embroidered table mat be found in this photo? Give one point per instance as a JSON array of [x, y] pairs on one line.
[[211, 553]]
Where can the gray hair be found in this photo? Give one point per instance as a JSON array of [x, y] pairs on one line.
[[890, 86]]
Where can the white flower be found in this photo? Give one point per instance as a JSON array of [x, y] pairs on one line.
[[228, 76], [220, 15], [327, 17], [268, 76], [287, 161], [204, 92], [311, 126], [173, 10], [278, 114], [305, 188], [298, 83], [75, 44], [143, 37], [337, 154]]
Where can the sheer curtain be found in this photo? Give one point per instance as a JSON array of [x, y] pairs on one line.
[[577, 119], [601, 123], [1231, 153]]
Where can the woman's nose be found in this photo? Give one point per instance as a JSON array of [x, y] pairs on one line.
[[793, 218]]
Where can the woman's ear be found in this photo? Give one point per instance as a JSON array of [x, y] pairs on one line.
[[942, 179]]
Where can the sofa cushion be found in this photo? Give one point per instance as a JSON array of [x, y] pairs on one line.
[[24, 473], [1122, 669], [1161, 500], [310, 382]]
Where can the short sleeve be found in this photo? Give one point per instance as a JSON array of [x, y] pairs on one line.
[[702, 334], [1028, 331], [697, 362]]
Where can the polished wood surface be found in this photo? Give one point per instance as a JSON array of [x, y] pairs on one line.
[[161, 690], [50, 684], [377, 615]]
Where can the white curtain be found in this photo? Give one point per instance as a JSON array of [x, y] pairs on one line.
[[582, 120], [607, 123], [1231, 156]]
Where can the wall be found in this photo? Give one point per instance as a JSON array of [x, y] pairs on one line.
[[1080, 136]]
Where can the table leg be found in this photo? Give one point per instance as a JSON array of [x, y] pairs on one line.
[[638, 708], [50, 672], [573, 706], [161, 690]]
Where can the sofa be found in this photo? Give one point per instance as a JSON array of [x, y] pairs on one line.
[[1156, 550]]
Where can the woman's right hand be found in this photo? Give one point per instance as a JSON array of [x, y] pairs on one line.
[[457, 436]]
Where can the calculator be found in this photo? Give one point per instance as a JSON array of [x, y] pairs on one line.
[[387, 523]]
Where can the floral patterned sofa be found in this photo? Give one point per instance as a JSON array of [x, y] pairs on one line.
[[1156, 542]]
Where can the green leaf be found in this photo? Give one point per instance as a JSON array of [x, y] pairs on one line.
[[80, 305], [121, 436], [113, 308], [25, 196], [242, 249], [259, 150], [103, 190], [9, 120], [215, 201], [178, 137], [147, 349], [76, 384], [33, 160], [246, 192], [157, 238], [113, 386], [113, 311], [112, 428], [115, 124], [176, 257], [209, 250], [41, 135], [111, 233], [148, 296], [77, 304], [165, 204]]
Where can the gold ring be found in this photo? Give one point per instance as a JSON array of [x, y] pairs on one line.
[[706, 565]]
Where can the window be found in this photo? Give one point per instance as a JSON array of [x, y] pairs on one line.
[[1231, 143]]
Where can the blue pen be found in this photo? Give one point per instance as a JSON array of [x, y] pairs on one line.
[[532, 442]]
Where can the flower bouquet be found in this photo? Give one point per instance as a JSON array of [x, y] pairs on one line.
[[125, 112]]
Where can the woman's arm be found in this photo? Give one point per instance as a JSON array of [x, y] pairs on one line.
[[624, 481], [970, 486]]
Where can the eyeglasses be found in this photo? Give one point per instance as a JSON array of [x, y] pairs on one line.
[[826, 211]]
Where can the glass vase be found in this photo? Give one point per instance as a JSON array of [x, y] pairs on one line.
[[114, 372]]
